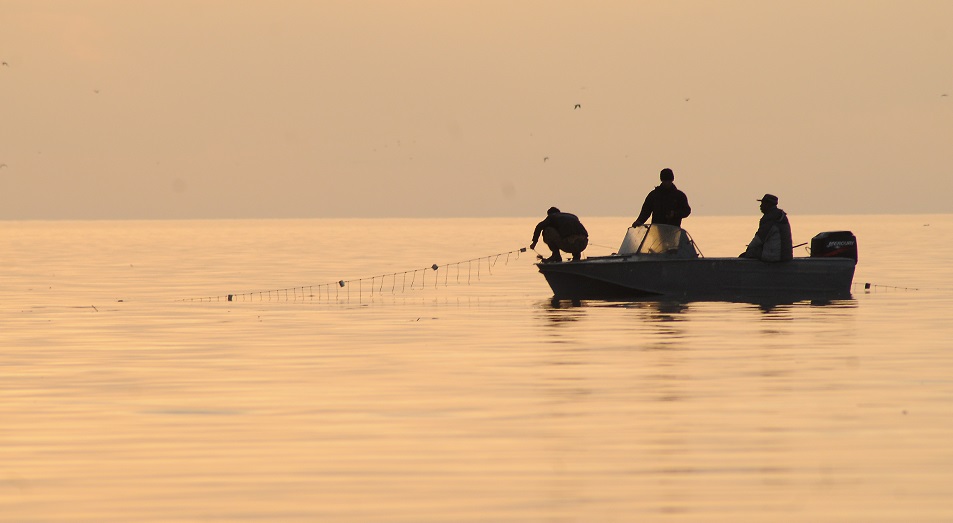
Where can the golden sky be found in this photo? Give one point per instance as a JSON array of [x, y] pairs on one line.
[[234, 109]]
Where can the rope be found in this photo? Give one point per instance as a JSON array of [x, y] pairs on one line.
[[308, 291]]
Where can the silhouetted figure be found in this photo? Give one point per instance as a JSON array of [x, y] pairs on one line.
[[772, 242], [665, 203], [561, 231]]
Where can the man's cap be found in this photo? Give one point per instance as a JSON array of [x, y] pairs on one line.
[[770, 198], [667, 174], [552, 210]]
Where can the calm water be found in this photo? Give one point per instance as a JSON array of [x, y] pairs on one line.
[[447, 401]]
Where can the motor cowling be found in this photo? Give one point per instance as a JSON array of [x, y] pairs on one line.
[[836, 244]]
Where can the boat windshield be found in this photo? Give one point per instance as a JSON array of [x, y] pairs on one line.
[[658, 239]]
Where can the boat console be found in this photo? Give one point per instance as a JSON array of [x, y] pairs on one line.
[[658, 239]]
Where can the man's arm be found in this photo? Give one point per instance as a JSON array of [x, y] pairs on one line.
[[753, 250], [764, 228], [539, 229], [646, 210], [683, 208]]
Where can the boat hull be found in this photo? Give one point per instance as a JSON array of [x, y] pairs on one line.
[[718, 278]]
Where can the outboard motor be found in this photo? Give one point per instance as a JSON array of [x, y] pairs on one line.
[[840, 244]]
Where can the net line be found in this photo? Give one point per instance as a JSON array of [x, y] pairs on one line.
[[874, 287], [393, 282]]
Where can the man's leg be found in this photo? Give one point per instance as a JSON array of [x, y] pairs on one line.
[[552, 240], [577, 244]]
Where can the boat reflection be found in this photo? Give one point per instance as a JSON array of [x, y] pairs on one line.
[[667, 309]]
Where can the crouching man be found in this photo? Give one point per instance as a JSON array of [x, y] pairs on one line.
[[561, 231]]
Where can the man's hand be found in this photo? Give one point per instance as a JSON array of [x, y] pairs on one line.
[[532, 246]]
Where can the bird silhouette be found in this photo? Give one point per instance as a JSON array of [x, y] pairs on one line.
[[6, 64], [577, 106], [545, 158]]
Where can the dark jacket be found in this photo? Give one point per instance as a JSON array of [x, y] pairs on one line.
[[565, 224], [773, 240], [666, 205]]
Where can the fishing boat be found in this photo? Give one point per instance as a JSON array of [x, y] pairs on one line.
[[663, 260]]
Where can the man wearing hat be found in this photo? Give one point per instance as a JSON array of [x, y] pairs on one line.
[[772, 242], [561, 231], [665, 203]]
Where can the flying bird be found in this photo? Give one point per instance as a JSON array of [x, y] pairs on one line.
[[577, 106], [2, 165], [6, 64], [545, 158]]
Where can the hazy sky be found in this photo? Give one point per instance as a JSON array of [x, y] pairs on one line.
[[327, 108]]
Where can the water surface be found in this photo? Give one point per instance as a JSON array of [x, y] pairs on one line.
[[461, 399]]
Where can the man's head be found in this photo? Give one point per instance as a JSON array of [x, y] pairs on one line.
[[667, 175], [552, 210], [768, 201]]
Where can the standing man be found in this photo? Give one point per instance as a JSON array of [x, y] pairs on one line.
[[561, 231], [665, 204], [772, 242]]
